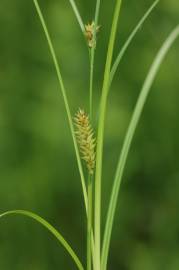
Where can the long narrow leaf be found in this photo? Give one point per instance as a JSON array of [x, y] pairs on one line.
[[92, 59], [100, 137], [63, 91], [50, 228], [128, 139], [77, 14], [129, 40]]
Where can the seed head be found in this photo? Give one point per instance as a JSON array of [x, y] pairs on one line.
[[85, 138], [90, 34]]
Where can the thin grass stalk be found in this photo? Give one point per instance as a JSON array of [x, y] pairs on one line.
[[92, 57], [92, 245], [100, 137], [130, 39], [51, 229], [128, 140], [63, 91], [89, 223], [77, 14], [90, 183], [90, 240]]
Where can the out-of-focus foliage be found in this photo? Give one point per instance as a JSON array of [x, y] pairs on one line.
[[38, 170]]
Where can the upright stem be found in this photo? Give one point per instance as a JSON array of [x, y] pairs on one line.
[[100, 137], [89, 223], [91, 55], [77, 14], [90, 182]]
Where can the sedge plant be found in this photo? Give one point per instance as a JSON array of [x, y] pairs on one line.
[[88, 144]]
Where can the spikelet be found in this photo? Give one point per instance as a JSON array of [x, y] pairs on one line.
[[85, 138], [89, 33]]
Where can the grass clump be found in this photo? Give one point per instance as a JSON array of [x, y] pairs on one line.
[[90, 149]]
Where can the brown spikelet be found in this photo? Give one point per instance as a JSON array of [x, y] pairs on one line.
[[86, 140]]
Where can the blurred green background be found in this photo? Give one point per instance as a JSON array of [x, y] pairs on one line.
[[38, 170]]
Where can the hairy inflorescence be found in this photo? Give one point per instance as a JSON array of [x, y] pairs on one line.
[[85, 138]]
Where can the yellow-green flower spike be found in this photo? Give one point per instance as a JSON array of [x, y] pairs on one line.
[[86, 140]]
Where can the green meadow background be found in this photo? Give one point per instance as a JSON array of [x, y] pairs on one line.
[[38, 170]]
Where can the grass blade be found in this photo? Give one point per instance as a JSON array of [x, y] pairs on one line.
[[128, 139], [100, 137], [50, 228], [90, 187], [89, 223], [129, 40], [92, 58], [63, 91], [77, 14]]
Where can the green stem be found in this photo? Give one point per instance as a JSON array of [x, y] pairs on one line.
[[96, 19], [63, 91], [90, 188], [92, 58], [89, 224], [77, 14], [90, 236], [128, 140], [100, 136], [50, 228], [91, 55]]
